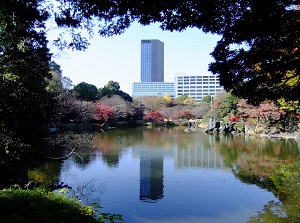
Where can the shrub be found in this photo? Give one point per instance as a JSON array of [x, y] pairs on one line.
[[42, 206]]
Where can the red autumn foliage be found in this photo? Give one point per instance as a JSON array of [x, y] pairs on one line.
[[265, 111], [183, 114], [234, 118], [103, 113], [154, 116]]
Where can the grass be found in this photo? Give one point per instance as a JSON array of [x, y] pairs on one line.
[[42, 206]]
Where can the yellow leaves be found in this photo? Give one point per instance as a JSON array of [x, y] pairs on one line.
[[64, 191], [288, 105], [189, 101], [257, 67], [9, 77], [291, 78], [168, 98]]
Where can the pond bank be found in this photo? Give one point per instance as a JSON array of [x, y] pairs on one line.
[[263, 133]]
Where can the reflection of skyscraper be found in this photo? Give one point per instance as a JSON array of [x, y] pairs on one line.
[[152, 61], [151, 175]]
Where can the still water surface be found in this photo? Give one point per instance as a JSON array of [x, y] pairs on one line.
[[167, 175]]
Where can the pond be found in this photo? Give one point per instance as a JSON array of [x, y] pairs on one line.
[[166, 175]]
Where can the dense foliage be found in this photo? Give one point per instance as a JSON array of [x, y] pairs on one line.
[[113, 88], [25, 104], [85, 91]]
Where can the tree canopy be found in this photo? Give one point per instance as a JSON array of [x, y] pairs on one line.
[[257, 57], [85, 91], [113, 88], [25, 104]]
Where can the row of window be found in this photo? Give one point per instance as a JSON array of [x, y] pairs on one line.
[[153, 85], [205, 90], [198, 94], [186, 77], [156, 87], [211, 82], [180, 87], [197, 79]]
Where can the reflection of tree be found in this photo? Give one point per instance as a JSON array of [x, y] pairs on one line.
[[286, 183], [85, 158], [254, 161], [84, 192], [80, 144], [269, 164], [259, 156], [272, 212], [46, 173], [112, 145], [112, 160]]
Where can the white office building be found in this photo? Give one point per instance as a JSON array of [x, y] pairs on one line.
[[152, 89], [196, 86]]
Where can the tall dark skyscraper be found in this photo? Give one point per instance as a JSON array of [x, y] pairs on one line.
[[152, 61]]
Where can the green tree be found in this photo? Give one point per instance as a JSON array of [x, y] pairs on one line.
[[207, 98], [25, 104], [113, 88], [224, 103], [180, 100], [55, 83], [85, 91], [292, 112]]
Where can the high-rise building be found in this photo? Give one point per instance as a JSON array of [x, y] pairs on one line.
[[152, 61]]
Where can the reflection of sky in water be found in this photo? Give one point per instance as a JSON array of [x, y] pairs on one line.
[[185, 185]]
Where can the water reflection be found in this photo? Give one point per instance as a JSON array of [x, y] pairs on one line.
[[212, 178], [198, 155]]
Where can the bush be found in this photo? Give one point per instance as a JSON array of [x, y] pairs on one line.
[[42, 206]]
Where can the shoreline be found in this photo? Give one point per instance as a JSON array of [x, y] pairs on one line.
[[274, 135]]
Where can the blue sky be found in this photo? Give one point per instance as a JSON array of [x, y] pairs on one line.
[[117, 58]]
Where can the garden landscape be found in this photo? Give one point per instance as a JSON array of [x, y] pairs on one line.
[[78, 153]]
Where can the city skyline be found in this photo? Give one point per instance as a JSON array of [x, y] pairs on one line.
[[117, 58]]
